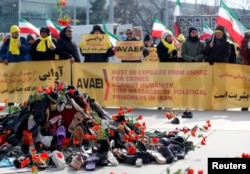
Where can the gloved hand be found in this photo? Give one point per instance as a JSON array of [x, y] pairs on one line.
[[145, 52], [174, 54]]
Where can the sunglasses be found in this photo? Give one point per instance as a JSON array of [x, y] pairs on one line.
[[129, 33]]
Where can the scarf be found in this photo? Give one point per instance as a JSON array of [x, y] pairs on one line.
[[41, 46], [168, 45], [13, 48]]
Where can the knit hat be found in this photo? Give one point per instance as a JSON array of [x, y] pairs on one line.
[[147, 38], [181, 38], [31, 37], [191, 29], [220, 29], [97, 28], [165, 34], [14, 28], [45, 29]]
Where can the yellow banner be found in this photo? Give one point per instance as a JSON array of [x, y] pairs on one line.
[[129, 50], [152, 57], [19, 80], [231, 86], [94, 43], [89, 78], [165, 84]]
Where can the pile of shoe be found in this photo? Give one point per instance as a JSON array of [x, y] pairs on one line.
[[75, 130]]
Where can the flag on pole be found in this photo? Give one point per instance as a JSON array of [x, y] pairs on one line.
[[207, 32], [228, 19], [113, 38], [28, 28], [158, 28], [177, 12], [53, 29]]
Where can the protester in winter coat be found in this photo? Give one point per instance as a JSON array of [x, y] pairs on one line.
[[245, 49], [217, 49], [66, 48], [98, 57], [166, 49], [44, 48], [192, 48], [15, 48]]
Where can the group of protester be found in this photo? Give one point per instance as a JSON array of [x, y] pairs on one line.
[[18, 49], [190, 49]]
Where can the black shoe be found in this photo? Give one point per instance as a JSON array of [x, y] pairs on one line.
[[166, 152], [181, 153], [175, 121], [144, 156], [244, 109], [129, 159], [187, 114]]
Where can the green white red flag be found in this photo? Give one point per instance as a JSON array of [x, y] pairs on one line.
[[177, 12], [228, 19], [207, 32], [52, 27], [28, 28], [159, 28]]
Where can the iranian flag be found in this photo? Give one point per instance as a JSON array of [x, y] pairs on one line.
[[228, 19], [177, 12], [28, 28], [158, 28], [52, 27], [113, 38], [207, 32]]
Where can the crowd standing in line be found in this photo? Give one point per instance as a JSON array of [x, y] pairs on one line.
[[191, 49]]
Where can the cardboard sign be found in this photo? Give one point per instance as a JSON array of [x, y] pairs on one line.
[[152, 57], [129, 50], [94, 43]]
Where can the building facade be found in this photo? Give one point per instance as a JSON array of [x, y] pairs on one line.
[[35, 11]]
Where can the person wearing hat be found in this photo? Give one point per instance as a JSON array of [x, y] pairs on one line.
[[192, 48], [98, 57], [15, 48], [166, 49], [149, 51], [217, 49], [130, 36], [44, 47], [181, 39]]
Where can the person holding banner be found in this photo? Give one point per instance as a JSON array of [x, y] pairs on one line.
[[192, 48], [67, 49], [217, 49], [97, 56], [150, 51], [166, 49], [44, 48], [15, 48]]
